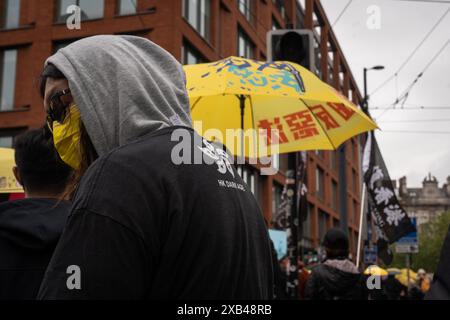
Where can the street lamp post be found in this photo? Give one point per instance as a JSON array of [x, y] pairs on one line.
[[365, 104], [365, 109]]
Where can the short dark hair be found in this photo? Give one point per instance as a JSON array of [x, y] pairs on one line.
[[336, 243], [38, 162]]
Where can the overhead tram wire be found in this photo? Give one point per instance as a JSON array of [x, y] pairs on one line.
[[342, 13], [416, 121], [404, 97], [415, 132], [412, 53]]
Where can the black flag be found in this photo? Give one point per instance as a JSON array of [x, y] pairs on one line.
[[292, 223], [391, 220]]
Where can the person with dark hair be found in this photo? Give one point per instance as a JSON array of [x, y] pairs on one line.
[[337, 278], [31, 227], [145, 223]]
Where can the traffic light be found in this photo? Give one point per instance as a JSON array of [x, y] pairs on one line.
[[295, 45]]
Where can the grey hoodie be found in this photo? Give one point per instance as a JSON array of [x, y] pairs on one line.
[[124, 86]]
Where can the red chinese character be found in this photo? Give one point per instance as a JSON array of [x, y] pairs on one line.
[[344, 111], [301, 124], [325, 117], [273, 136]]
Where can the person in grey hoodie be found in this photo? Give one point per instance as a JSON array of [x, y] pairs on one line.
[[144, 225]]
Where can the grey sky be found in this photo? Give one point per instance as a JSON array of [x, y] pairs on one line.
[[404, 24]]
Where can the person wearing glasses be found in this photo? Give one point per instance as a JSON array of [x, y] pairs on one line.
[[143, 224], [30, 227]]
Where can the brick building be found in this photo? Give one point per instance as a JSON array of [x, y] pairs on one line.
[[193, 31]]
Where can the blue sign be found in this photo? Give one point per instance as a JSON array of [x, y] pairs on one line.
[[410, 238], [410, 242], [370, 255], [279, 239]]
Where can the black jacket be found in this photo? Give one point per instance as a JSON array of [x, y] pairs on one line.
[[330, 283], [143, 226], [440, 287], [29, 231]]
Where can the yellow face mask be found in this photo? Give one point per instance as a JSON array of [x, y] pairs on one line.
[[66, 137]]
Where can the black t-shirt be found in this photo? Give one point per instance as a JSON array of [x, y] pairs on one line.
[[145, 226]]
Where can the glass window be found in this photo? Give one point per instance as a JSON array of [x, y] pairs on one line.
[[277, 190], [190, 55], [125, 7], [6, 142], [279, 4], [245, 7], [275, 24], [8, 63], [334, 195], [354, 180], [197, 13], [320, 191], [90, 9], [60, 45], [334, 160], [9, 18], [245, 46], [322, 225]]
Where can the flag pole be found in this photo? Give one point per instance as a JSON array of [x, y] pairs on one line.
[[361, 216]]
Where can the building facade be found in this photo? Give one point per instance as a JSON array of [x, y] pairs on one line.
[[426, 202], [193, 31]]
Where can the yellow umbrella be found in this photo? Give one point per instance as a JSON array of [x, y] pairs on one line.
[[393, 271], [375, 270], [293, 107], [8, 183], [403, 277]]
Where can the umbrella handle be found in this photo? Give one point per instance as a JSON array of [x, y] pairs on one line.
[[242, 107]]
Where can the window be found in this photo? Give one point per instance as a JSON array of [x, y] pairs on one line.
[[336, 223], [322, 225], [189, 55], [90, 9], [10, 14], [277, 190], [279, 4], [275, 24], [334, 195], [61, 44], [6, 141], [334, 160], [245, 45], [125, 7], [320, 191], [354, 181], [355, 212], [197, 13], [8, 63], [245, 7]]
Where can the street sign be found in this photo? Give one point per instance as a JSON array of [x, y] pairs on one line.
[[279, 239], [408, 243], [370, 255]]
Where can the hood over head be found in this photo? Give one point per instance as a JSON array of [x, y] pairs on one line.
[[124, 87]]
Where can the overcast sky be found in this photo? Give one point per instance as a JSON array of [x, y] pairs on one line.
[[403, 26]]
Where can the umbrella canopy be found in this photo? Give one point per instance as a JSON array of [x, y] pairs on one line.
[[393, 271], [8, 183], [293, 107], [403, 277], [375, 270]]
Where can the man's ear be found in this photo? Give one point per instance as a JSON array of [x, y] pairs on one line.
[[17, 175]]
